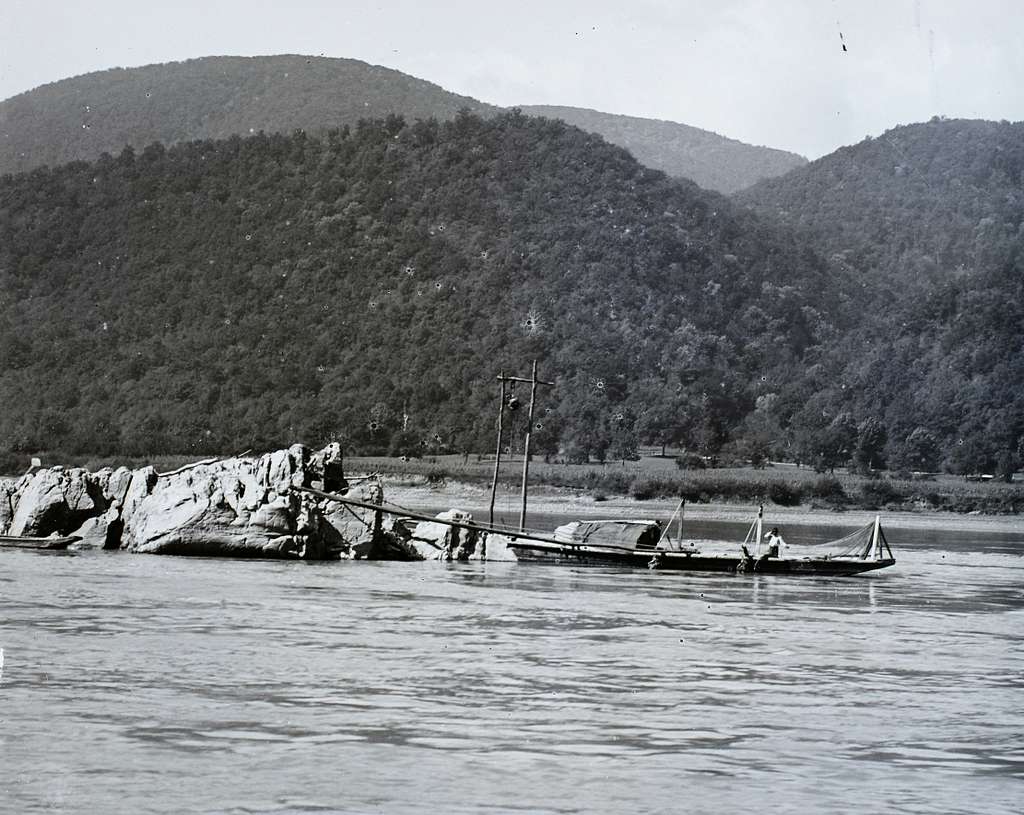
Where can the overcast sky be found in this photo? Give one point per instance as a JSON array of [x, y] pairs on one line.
[[769, 72]]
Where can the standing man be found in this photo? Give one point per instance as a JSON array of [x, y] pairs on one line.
[[776, 545]]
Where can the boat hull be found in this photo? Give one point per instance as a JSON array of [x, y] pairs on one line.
[[17, 542], [580, 555]]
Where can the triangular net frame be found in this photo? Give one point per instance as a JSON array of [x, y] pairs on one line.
[[861, 544]]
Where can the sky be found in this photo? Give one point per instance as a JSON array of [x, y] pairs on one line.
[[768, 72]]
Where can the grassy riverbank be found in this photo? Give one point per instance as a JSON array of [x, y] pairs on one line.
[[658, 478], [653, 479]]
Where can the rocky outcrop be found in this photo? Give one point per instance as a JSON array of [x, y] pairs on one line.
[[53, 501], [244, 507], [6, 511], [100, 532], [438, 540], [237, 507]]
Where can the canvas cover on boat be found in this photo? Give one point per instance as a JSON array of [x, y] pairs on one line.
[[627, 534]]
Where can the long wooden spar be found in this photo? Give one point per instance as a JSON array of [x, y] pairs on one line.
[[404, 513]]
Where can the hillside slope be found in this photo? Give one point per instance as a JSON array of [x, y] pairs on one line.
[[713, 161], [929, 218], [247, 292], [211, 97], [216, 97]]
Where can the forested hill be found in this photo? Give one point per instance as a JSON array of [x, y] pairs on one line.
[[930, 219], [221, 295], [216, 97], [210, 97], [922, 202], [713, 161]]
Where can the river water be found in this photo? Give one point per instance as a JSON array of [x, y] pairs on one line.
[[136, 684]]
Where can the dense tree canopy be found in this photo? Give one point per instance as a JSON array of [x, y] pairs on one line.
[[927, 222], [368, 284], [249, 292]]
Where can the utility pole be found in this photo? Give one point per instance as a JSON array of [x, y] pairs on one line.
[[497, 453], [526, 445], [533, 382]]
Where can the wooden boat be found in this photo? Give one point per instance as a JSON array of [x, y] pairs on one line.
[[645, 544], [22, 542]]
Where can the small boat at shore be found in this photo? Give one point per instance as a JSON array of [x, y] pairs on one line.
[[645, 544], [23, 542]]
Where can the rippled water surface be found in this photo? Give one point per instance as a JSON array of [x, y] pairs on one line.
[[157, 684]]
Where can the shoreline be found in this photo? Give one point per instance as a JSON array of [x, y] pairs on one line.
[[555, 501]]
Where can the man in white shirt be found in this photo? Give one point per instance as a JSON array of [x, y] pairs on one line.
[[776, 545]]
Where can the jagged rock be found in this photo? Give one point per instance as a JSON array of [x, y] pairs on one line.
[[240, 506], [141, 483], [116, 485], [42, 507], [439, 541], [326, 470], [356, 528], [53, 501], [283, 469], [276, 517], [100, 532], [236, 507], [494, 547], [83, 494], [6, 511]]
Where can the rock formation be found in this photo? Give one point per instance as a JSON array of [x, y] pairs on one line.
[[241, 507], [435, 540], [238, 506]]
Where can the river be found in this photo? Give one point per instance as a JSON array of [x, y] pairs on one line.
[[138, 684]]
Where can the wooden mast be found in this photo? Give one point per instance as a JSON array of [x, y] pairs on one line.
[[533, 382], [760, 528], [526, 445], [497, 453]]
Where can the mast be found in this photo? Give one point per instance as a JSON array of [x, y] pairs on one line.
[[526, 444], [497, 454], [533, 382], [760, 528]]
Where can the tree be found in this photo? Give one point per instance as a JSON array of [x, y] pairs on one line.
[[871, 439], [919, 452], [972, 454]]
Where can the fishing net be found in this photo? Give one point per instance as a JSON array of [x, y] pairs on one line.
[[860, 543]]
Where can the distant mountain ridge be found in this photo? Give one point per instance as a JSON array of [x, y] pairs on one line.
[[216, 97], [910, 199], [715, 162], [208, 98]]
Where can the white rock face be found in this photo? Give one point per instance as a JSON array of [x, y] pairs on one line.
[[38, 503], [100, 532], [358, 529], [433, 540], [495, 548], [240, 506]]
